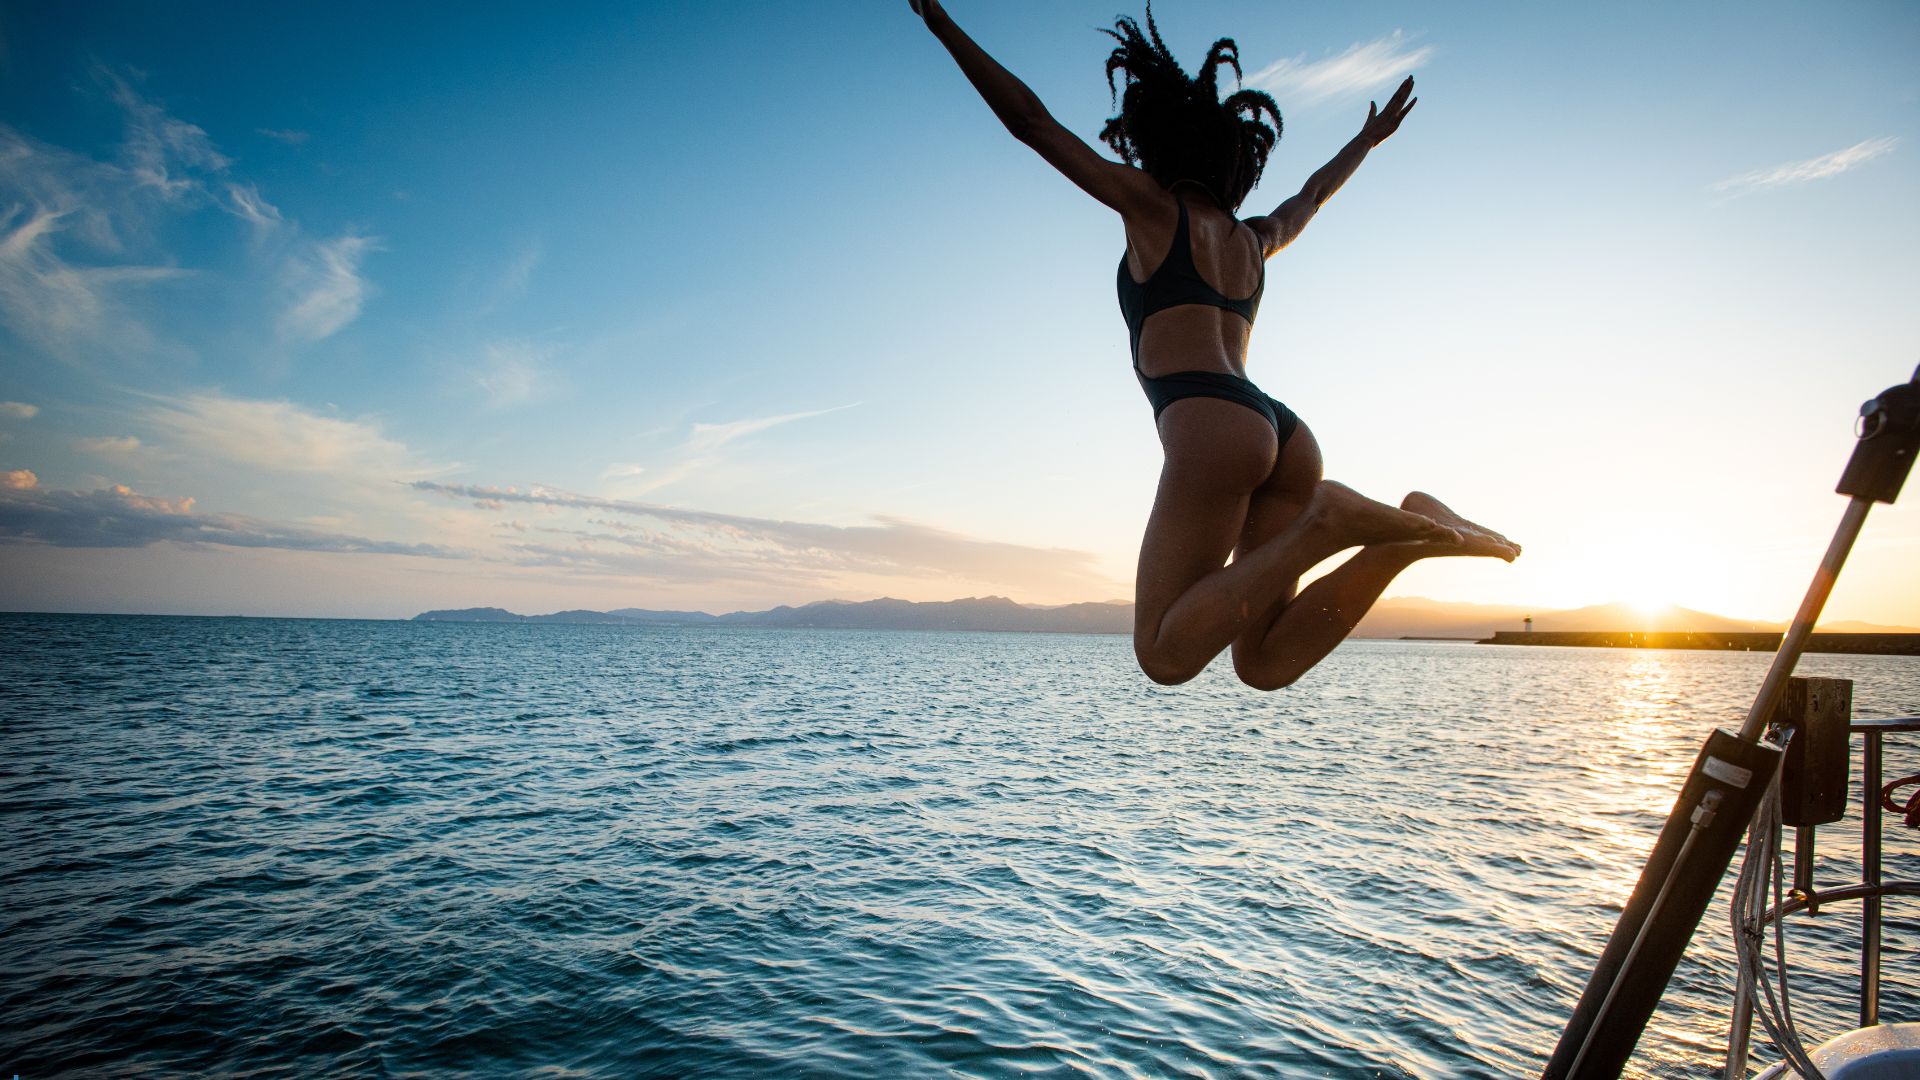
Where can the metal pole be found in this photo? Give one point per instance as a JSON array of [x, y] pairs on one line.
[[1803, 860], [1795, 641], [1702, 818], [1870, 877], [1740, 1035], [1740, 1028], [1708, 819]]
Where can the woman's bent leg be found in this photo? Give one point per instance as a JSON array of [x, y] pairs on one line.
[[1319, 618], [1303, 632], [1188, 606]]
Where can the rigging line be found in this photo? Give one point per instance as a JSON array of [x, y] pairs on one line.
[[1763, 870]]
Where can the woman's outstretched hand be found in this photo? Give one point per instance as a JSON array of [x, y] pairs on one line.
[[923, 7], [1384, 122]]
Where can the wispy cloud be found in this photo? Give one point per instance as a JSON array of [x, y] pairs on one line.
[[162, 152], [702, 449], [65, 223], [709, 437], [61, 306], [91, 195], [19, 410], [72, 229], [327, 288], [247, 203], [119, 517], [512, 281], [666, 543], [291, 463], [280, 436], [622, 470], [514, 373], [19, 480], [1362, 67], [1799, 172], [284, 135], [109, 445]]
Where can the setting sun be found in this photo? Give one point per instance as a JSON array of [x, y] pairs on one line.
[[1649, 604]]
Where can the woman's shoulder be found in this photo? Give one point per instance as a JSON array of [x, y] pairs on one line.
[[1150, 225]]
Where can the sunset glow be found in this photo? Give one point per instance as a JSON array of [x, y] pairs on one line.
[[298, 320]]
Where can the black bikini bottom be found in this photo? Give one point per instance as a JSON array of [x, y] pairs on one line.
[[1167, 389]]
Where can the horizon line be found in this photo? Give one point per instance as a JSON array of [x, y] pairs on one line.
[[1465, 604]]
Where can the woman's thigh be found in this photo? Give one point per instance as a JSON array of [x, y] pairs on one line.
[[1218, 454]]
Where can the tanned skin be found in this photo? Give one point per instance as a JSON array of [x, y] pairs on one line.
[[1227, 489]]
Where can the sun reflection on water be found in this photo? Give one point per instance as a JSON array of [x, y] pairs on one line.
[[1636, 763], [1645, 706]]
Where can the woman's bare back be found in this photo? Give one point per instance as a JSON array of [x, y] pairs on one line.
[[1228, 255]]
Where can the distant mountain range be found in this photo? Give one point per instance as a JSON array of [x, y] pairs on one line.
[[1392, 618], [973, 613]]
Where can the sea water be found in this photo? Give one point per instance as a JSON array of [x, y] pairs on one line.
[[296, 848]]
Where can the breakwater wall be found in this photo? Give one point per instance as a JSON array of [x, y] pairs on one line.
[[1880, 644]]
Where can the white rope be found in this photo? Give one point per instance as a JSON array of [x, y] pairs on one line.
[[1762, 873]]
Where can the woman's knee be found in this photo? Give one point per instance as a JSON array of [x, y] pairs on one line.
[[1170, 670], [1266, 676], [1163, 668]]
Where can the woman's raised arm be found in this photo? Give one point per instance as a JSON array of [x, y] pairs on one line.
[[1122, 187], [1284, 225]]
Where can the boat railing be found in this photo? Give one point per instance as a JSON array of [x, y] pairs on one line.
[[1733, 781], [1870, 890]]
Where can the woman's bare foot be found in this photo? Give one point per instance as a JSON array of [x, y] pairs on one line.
[[1473, 539], [1349, 519]]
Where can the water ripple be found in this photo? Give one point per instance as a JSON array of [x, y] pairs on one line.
[[281, 847]]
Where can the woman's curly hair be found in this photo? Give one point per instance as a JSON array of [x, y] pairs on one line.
[[1177, 128]]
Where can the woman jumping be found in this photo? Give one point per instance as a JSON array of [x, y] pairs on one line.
[[1242, 474]]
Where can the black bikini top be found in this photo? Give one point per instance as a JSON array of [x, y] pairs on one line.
[[1177, 281]]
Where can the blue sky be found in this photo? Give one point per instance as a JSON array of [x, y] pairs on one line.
[[726, 306]]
